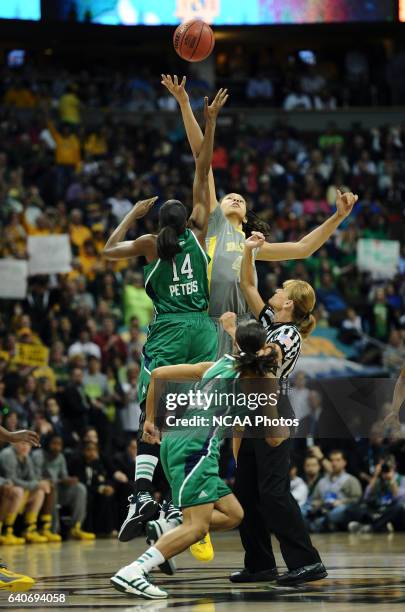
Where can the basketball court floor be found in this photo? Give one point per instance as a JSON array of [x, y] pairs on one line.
[[365, 572]]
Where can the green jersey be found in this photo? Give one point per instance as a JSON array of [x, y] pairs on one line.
[[223, 368], [211, 397], [179, 285], [217, 381], [190, 455]]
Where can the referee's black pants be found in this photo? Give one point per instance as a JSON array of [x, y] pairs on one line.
[[262, 487]]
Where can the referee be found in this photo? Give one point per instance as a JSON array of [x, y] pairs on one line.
[[262, 475]]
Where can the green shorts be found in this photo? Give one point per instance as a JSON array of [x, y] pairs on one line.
[[174, 339], [191, 465]]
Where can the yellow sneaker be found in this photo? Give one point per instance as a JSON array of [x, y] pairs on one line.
[[77, 533], [9, 539], [203, 550], [11, 581], [33, 537], [50, 536]]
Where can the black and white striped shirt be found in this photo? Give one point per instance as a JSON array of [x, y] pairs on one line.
[[286, 336]]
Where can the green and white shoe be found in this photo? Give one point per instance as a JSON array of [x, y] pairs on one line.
[[133, 581]]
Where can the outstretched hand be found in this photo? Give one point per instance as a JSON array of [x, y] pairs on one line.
[[24, 435], [345, 203], [211, 110], [255, 241], [142, 207], [178, 90]]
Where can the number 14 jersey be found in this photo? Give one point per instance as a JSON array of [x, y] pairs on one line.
[[181, 284]]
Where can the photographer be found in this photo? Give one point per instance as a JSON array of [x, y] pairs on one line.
[[383, 506]]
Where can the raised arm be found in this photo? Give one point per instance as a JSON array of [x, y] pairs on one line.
[[201, 201], [228, 321], [315, 239], [118, 248], [12, 437], [247, 277], [194, 133]]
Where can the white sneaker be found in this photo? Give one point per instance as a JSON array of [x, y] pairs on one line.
[[132, 580], [155, 529]]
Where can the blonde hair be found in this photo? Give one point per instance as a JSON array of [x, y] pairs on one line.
[[303, 296]]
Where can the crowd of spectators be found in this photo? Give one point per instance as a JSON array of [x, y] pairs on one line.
[[323, 79], [348, 482], [368, 499], [59, 174]]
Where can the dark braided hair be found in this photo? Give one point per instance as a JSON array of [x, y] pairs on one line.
[[172, 223], [251, 337]]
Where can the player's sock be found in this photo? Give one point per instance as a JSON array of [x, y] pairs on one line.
[[30, 519], [46, 528], [154, 530], [31, 533], [10, 520], [142, 505], [150, 559], [9, 538], [145, 466]]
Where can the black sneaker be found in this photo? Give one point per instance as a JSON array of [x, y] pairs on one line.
[[307, 573], [142, 508], [246, 576], [171, 513]]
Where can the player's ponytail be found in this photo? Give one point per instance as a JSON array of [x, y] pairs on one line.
[[307, 325], [255, 356], [172, 223], [303, 296], [253, 223]]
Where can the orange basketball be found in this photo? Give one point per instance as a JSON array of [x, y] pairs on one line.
[[194, 40]]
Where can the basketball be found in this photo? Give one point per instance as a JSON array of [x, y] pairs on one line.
[[194, 40]]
